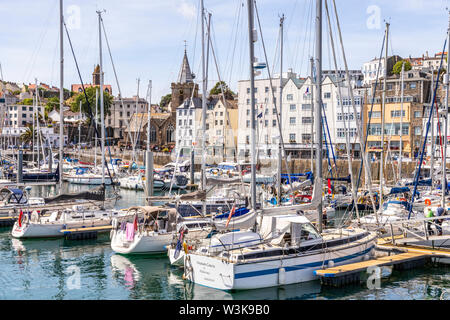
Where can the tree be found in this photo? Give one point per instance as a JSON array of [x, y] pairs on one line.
[[28, 135], [52, 104], [397, 69], [90, 92], [165, 101], [217, 90], [27, 102]]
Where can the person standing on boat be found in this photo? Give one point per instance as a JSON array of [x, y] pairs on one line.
[[429, 214], [439, 213]]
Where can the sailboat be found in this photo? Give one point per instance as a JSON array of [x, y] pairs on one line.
[[287, 248]]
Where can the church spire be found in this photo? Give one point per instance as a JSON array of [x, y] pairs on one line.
[[185, 74]]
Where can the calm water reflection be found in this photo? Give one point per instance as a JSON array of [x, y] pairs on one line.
[[47, 269]]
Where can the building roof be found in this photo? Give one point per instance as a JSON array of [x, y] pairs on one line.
[[185, 74], [187, 103]]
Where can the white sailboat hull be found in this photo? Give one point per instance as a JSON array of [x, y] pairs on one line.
[[88, 180], [224, 275], [143, 243]]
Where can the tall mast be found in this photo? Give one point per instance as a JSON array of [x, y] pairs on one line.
[[280, 104], [79, 131], [203, 97], [61, 94], [444, 158], [383, 111], [432, 131], [149, 113], [401, 126], [102, 126], [318, 105], [96, 119], [312, 113], [37, 122], [251, 40]]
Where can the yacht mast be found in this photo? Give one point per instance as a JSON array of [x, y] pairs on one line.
[[204, 96], [149, 113], [318, 105], [383, 111], [280, 154], [432, 132], [95, 122], [312, 114], [444, 158], [251, 40], [61, 95], [401, 125], [79, 132], [36, 108], [102, 126]]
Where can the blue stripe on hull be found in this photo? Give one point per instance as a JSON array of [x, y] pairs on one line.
[[300, 266]]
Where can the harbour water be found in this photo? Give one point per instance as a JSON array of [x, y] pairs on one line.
[[90, 270]]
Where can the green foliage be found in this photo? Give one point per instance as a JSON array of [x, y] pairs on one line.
[[90, 92], [28, 135], [27, 102], [217, 90], [52, 104], [397, 69], [165, 101]]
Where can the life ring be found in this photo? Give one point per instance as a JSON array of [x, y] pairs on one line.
[[428, 202]]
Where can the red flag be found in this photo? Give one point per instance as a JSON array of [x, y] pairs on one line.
[[329, 186], [230, 215], [20, 218], [135, 223]]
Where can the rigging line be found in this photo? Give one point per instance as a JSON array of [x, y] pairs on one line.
[[37, 48], [416, 179], [233, 32], [273, 96], [308, 35], [90, 115], [371, 112], [358, 127], [299, 39], [115, 75], [222, 92]]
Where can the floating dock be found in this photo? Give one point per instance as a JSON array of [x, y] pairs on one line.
[[84, 232], [409, 258], [7, 221]]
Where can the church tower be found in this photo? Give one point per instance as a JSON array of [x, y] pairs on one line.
[[96, 76], [182, 89]]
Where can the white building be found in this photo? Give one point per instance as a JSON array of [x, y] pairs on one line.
[[20, 115], [11, 136], [297, 117], [369, 69], [188, 131]]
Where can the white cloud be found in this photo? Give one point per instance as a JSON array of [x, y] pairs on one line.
[[186, 9]]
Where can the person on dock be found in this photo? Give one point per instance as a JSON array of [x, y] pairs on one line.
[[439, 213], [429, 214]]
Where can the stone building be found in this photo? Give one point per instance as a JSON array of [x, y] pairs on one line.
[[416, 93]]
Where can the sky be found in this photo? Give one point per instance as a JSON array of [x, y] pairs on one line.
[[147, 38]]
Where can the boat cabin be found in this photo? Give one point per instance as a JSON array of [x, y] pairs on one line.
[[13, 196]]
